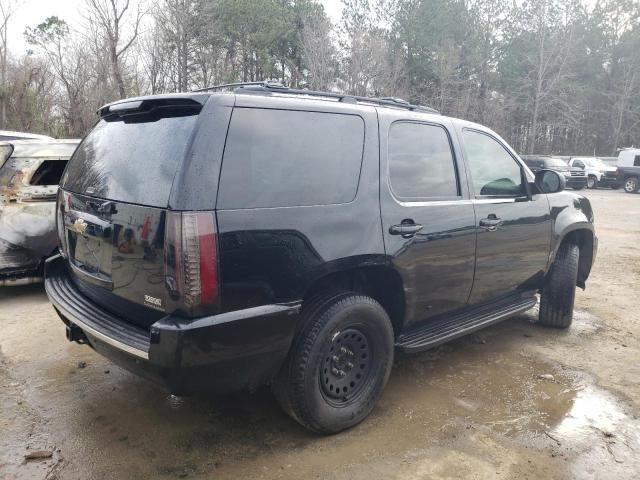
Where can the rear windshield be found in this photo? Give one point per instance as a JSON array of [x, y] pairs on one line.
[[131, 159]]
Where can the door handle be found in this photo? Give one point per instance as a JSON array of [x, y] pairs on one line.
[[491, 223], [405, 229]]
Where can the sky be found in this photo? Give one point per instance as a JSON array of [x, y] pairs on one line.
[[32, 12]]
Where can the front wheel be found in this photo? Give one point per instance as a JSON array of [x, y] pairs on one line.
[[338, 365], [631, 185], [592, 182], [559, 290]]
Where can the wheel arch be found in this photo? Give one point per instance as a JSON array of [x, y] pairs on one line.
[[381, 282], [586, 241]]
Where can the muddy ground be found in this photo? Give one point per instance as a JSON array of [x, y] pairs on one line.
[[514, 401]]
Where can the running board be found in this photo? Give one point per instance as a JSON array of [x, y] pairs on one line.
[[444, 329]]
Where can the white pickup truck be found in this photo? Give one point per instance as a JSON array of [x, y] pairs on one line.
[[599, 174]]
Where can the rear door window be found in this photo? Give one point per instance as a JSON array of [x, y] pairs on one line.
[[421, 163], [131, 160], [281, 158]]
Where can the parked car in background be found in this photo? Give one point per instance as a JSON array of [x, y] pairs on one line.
[[629, 169], [8, 135], [30, 171], [222, 241], [599, 174], [576, 178]]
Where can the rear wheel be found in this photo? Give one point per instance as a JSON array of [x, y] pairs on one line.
[[631, 184], [338, 365], [559, 290], [592, 182]]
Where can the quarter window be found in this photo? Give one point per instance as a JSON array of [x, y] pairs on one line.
[[421, 164], [494, 171], [282, 158]]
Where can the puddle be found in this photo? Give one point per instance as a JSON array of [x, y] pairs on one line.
[[591, 409], [533, 404], [585, 323]]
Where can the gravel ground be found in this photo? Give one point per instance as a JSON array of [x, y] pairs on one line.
[[514, 401]]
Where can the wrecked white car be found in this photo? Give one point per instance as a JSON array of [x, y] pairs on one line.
[[30, 171]]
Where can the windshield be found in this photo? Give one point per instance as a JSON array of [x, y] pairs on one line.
[[554, 162], [132, 160]]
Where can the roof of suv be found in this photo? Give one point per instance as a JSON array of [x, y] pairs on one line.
[[267, 89]]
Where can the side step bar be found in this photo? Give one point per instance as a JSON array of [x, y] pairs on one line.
[[444, 329]]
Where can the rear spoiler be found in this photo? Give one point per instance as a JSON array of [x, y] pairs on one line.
[[151, 104]]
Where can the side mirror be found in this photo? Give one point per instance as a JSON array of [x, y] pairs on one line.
[[550, 181]]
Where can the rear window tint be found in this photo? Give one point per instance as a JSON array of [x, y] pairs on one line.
[[278, 158], [131, 160], [421, 163]]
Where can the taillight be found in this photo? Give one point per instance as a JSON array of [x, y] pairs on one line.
[[192, 262], [62, 205]]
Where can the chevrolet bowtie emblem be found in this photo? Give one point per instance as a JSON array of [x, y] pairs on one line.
[[79, 226]]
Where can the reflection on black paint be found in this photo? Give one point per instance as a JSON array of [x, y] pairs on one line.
[[264, 266]]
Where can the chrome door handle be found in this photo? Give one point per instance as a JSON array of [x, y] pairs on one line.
[[491, 224], [405, 229]]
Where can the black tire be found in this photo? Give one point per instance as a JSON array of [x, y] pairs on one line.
[[559, 291], [338, 365], [631, 184], [592, 182]]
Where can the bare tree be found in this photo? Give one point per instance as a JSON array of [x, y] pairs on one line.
[[177, 23], [109, 17], [68, 60], [155, 61], [7, 9], [549, 27], [319, 51]]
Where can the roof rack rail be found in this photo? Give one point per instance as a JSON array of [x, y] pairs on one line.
[[264, 83], [276, 87]]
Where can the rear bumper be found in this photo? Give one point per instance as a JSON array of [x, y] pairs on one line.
[[221, 353]]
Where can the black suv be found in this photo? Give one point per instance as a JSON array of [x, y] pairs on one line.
[[225, 240], [575, 177]]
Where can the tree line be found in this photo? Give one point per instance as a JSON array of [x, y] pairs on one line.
[[551, 76]]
